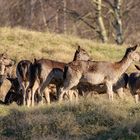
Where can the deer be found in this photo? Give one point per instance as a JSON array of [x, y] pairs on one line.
[[96, 72], [14, 94], [85, 88], [4, 58], [5, 63], [47, 71], [134, 84], [22, 72]]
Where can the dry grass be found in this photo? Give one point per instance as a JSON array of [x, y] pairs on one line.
[[21, 44], [93, 118]]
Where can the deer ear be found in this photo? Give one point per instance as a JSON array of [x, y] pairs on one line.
[[137, 67], [134, 48], [3, 54], [78, 48], [10, 79], [35, 60]]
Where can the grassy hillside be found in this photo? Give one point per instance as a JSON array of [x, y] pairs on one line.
[[21, 44], [92, 118]]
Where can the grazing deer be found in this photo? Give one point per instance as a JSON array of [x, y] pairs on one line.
[[47, 71], [96, 72], [134, 84], [22, 72], [14, 95]]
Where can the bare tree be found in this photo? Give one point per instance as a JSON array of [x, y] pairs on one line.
[[100, 22], [32, 3], [115, 10], [64, 14], [118, 22], [43, 12], [56, 21]]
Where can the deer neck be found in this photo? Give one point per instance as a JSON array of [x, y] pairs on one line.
[[124, 64]]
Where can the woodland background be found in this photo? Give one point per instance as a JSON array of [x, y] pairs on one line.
[[76, 17]]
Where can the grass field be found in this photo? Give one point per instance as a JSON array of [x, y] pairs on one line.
[[92, 118], [21, 44]]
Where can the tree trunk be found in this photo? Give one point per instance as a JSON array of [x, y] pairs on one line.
[[64, 14], [56, 22], [43, 13], [100, 22], [32, 3], [118, 22]]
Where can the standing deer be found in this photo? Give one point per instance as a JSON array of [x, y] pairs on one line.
[[22, 72], [47, 71], [96, 72]]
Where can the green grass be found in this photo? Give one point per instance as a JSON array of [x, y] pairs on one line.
[[92, 118]]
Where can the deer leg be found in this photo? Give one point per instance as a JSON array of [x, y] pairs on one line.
[[31, 94], [34, 89], [61, 95], [110, 90], [22, 87], [69, 83], [70, 93], [120, 93], [46, 82], [42, 89], [47, 95], [29, 98], [25, 91], [32, 98], [24, 94], [73, 93], [76, 96], [57, 91], [62, 91], [136, 98], [41, 96]]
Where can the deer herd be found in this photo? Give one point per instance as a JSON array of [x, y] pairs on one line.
[[44, 80]]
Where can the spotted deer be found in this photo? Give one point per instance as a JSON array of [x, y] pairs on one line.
[[47, 71], [5, 63], [96, 72]]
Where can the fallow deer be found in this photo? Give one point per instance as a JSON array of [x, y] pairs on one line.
[[14, 95], [5, 62], [47, 71], [96, 72], [22, 72], [134, 84]]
